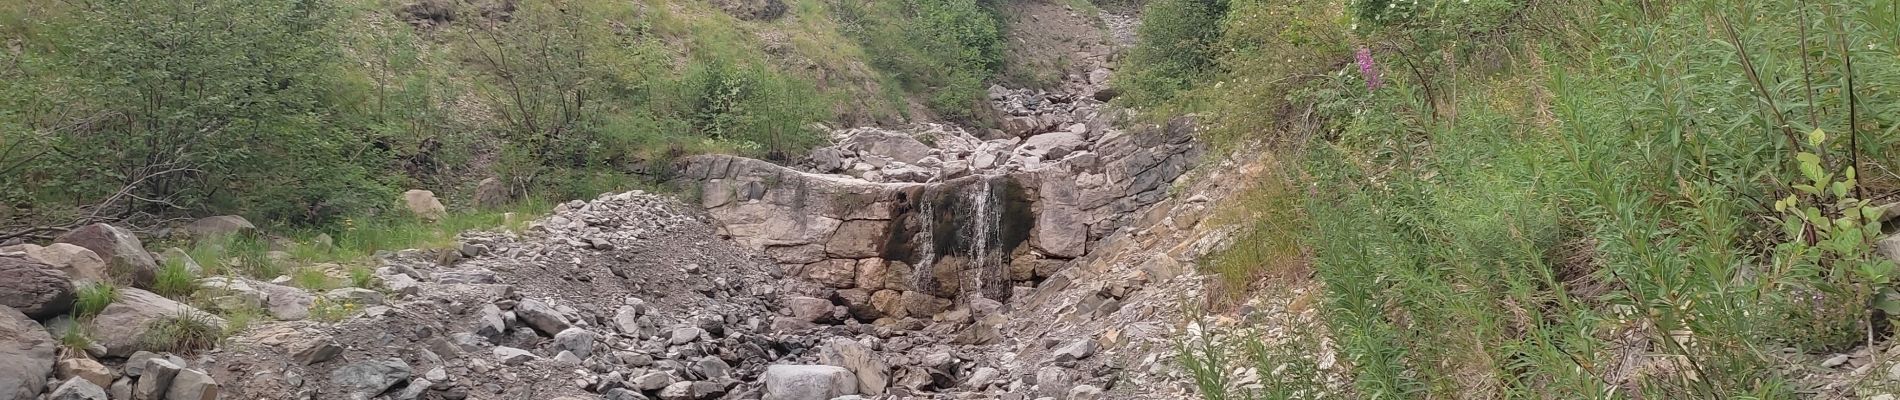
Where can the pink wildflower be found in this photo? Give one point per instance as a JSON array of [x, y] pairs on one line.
[[1369, 70]]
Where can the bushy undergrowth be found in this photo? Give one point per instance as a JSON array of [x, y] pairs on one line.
[[1575, 200], [309, 113], [945, 50]]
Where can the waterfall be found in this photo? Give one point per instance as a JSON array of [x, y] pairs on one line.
[[960, 234]]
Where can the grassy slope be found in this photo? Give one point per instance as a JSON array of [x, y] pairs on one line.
[[1575, 204]]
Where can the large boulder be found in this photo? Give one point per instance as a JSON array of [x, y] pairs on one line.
[[283, 302], [78, 389], [424, 204], [872, 374], [191, 384], [491, 193], [366, 379], [893, 145], [222, 225], [26, 355], [33, 288], [122, 326], [77, 262], [541, 316], [120, 249], [805, 382]]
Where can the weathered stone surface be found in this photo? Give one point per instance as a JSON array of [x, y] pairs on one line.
[[192, 384], [79, 263], [123, 323], [889, 303], [895, 146], [872, 374], [576, 340], [156, 379], [33, 288], [363, 380], [513, 356], [857, 302], [920, 304], [873, 273], [221, 225], [123, 253], [27, 351], [491, 193], [857, 239], [802, 382], [285, 302], [809, 309], [84, 368], [78, 389], [541, 317], [842, 274], [1075, 350], [424, 205], [651, 381], [316, 350]]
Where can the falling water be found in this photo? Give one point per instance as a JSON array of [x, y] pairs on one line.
[[958, 235]]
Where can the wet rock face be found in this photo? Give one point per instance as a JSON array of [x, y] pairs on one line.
[[979, 217]]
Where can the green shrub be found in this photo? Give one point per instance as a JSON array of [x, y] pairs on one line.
[[175, 280], [75, 337], [184, 332], [93, 298], [1176, 50], [312, 278], [944, 51]]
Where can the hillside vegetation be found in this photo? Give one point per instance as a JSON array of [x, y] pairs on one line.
[[306, 113], [1548, 199]]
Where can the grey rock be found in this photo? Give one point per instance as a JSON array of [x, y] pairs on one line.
[[624, 394], [122, 325], [1085, 392], [801, 382], [363, 380], [1076, 350], [576, 340], [652, 381], [358, 296], [34, 288], [192, 385], [122, 388], [567, 358], [872, 375], [123, 253], [492, 323], [222, 225], [686, 335], [541, 317], [155, 380], [135, 364], [316, 350], [28, 353], [513, 356], [712, 368], [78, 389]]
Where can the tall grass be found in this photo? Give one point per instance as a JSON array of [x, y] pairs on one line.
[[1580, 207]]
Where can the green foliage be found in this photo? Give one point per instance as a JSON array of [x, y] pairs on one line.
[[1177, 49], [327, 310], [175, 280], [184, 332], [75, 337], [362, 277], [93, 298], [1539, 186], [312, 278], [1827, 259], [944, 50]]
